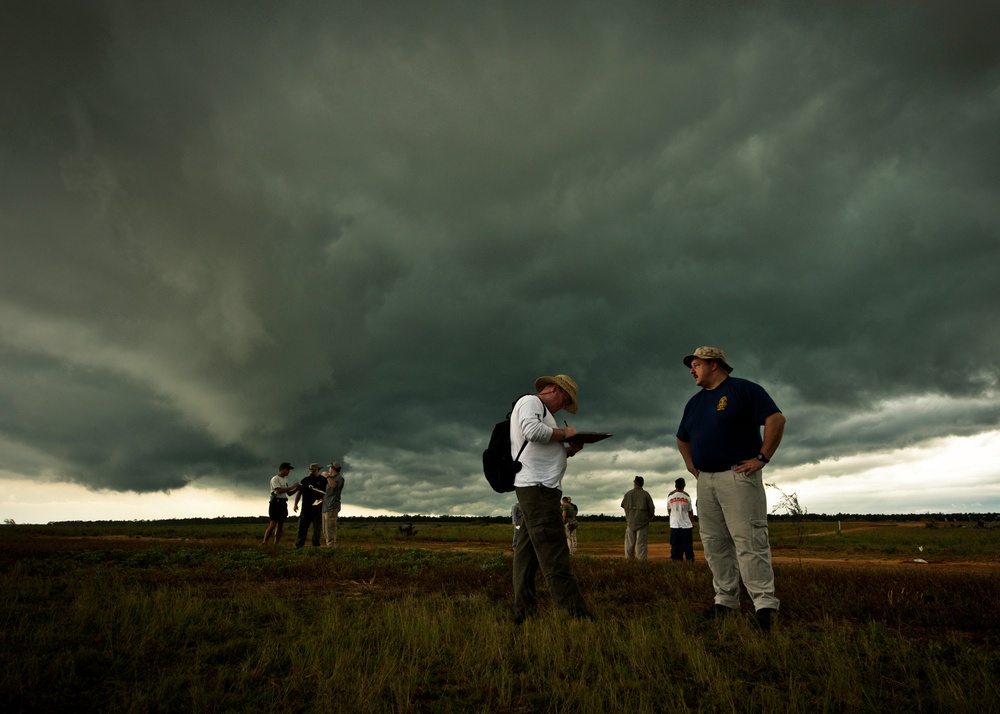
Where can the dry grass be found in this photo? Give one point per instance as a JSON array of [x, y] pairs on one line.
[[201, 623]]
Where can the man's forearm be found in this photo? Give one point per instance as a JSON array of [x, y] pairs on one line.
[[685, 448], [774, 429]]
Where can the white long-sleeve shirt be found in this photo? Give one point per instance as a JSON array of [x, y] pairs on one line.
[[542, 461]]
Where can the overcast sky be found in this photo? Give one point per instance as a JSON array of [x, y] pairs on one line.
[[239, 233]]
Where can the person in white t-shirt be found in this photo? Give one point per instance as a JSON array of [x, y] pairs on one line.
[[681, 526], [277, 510]]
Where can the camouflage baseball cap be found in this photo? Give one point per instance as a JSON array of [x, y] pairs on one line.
[[709, 353]]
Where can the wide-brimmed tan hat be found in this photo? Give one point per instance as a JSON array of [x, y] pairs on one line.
[[566, 383], [709, 353], [314, 467]]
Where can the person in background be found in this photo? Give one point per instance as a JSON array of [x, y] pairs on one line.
[[720, 440], [311, 491], [569, 511], [542, 543], [515, 518], [681, 526], [639, 511], [331, 502], [277, 509]]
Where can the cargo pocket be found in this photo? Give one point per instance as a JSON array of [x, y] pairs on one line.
[[759, 534]]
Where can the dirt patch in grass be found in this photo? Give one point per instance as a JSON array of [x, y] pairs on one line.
[[661, 552], [658, 550]]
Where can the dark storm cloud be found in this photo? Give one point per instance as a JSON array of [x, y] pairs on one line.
[[236, 234]]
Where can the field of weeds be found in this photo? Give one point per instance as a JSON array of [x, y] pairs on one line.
[[136, 619]]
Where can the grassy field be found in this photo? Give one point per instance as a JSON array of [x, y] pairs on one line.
[[153, 617]]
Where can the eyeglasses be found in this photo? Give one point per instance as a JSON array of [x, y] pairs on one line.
[[556, 389]]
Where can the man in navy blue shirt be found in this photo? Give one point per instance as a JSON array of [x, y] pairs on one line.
[[312, 490], [720, 440]]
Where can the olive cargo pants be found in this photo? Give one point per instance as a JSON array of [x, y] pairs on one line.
[[542, 544]]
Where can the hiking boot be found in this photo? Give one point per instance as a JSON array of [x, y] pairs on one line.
[[765, 618], [518, 618], [717, 611]]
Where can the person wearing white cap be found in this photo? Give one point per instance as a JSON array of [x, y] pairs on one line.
[[720, 440], [542, 541], [277, 509]]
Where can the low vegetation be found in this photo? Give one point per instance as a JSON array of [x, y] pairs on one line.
[[138, 617]]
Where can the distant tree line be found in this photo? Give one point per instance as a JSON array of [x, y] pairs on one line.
[[483, 520]]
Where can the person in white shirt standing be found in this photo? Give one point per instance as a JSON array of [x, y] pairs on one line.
[[681, 526], [542, 541], [277, 509]]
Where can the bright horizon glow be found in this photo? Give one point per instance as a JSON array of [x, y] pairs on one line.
[[948, 475], [46, 503]]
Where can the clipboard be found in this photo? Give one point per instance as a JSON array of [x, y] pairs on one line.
[[587, 437]]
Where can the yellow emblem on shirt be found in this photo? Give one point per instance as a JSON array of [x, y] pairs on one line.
[[721, 406]]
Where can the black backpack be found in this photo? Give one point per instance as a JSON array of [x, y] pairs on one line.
[[499, 467]]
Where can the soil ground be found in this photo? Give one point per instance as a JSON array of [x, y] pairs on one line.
[[661, 552]]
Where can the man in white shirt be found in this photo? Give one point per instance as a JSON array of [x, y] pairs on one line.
[[681, 526], [542, 542], [277, 509]]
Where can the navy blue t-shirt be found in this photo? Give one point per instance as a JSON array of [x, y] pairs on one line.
[[313, 489], [723, 424]]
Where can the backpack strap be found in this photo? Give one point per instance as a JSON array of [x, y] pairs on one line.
[[525, 444], [544, 408]]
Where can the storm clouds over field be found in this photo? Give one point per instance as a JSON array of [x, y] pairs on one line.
[[239, 233]]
